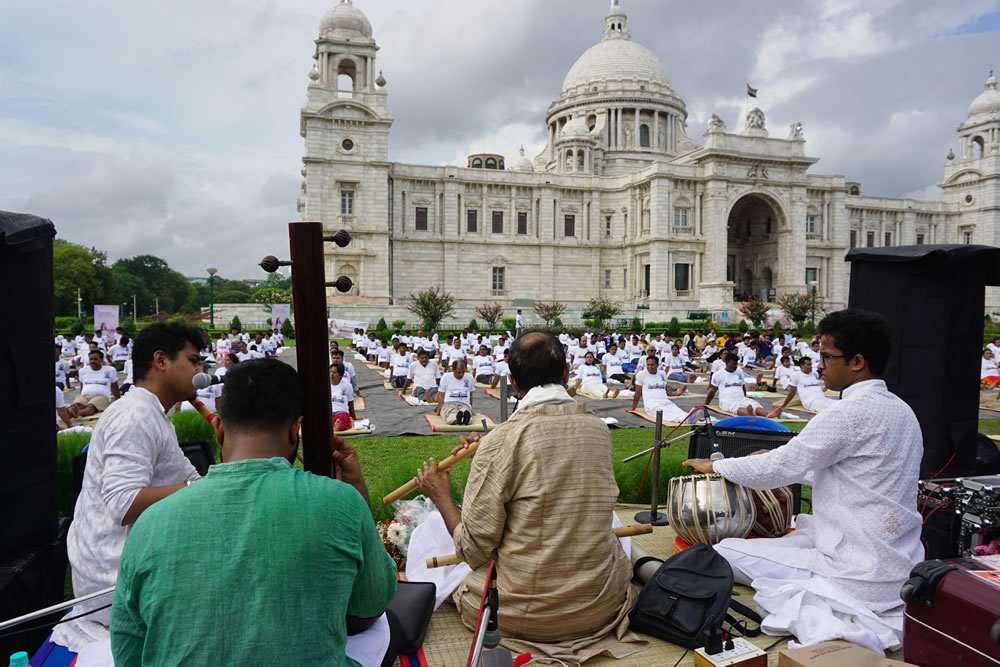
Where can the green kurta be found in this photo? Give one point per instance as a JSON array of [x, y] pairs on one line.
[[258, 563]]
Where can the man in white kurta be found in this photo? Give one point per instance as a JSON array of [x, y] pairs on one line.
[[838, 575], [133, 461]]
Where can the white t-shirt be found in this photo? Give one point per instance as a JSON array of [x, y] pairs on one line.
[[989, 368], [808, 387], [68, 347], [245, 356], [674, 364], [383, 354], [128, 372], [341, 394], [995, 349], [424, 376], [590, 374], [564, 338], [709, 350], [118, 353], [97, 383], [62, 368], [730, 385], [654, 387], [206, 396], [483, 365], [612, 364], [748, 355], [717, 365], [519, 320], [503, 368], [457, 390], [401, 364], [452, 353], [803, 347], [60, 403], [783, 375], [224, 346], [814, 355]]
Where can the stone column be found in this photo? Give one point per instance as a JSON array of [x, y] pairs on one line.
[[618, 128], [792, 246], [635, 134], [715, 292], [655, 131]]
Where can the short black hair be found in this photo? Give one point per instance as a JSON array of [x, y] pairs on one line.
[[124, 339], [730, 357], [654, 358], [233, 358], [341, 371], [170, 337], [263, 395], [537, 359], [337, 353], [860, 332], [97, 352]]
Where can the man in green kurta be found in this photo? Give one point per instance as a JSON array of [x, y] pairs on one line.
[[258, 562]]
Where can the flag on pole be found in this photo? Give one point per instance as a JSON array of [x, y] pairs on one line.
[[751, 92]]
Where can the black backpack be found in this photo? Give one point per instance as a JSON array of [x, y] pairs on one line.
[[687, 600]]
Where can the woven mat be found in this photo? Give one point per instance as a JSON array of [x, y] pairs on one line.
[[359, 403], [641, 414], [439, 425], [495, 393]]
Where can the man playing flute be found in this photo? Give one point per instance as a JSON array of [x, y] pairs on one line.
[[539, 500]]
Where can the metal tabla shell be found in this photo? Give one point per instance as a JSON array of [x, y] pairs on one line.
[[707, 508]]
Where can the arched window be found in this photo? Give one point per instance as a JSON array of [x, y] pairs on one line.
[[581, 157], [477, 163], [855, 190], [346, 74], [644, 136], [569, 160], [491, 163], [978, 147], [501, 164]]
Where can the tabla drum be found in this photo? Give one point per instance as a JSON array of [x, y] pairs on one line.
[[774, 512], [707, 508]]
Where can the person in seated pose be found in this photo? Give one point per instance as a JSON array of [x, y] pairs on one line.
[[675, 366], [730, 384], [400, 365], [337, 356], [62, 369], [484, 366], [133, 462], [783, 372], [252, 516], [454, 398], [99, 384], [208, 396], [424, 376], [503, 370], [651, 386], [805, 384], [564, 585], [590, 382], [989, 377], [862, 456], [611, 364], [342, 395]]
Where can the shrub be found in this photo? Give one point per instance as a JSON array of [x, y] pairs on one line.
[[636, 325], [398, 324], [381, 325], [549, 311], [129, 328], [67, 322], [473, 325], [674, 327], [235, 323], [69, 446], [77, 327], [801, 307], [192, 426], [557, 322], [778, 329], [743, 326], [754, 310], [178, 318], [508, 323], [431, 306], [588, 323], [287, 330]]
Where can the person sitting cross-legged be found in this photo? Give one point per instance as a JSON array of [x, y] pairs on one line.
[[590, 382], [99, 384], [227, 570], [454, 400], [730, 384], [424, 376], [342, 397]]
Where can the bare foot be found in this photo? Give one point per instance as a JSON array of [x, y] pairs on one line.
[[616, 393]]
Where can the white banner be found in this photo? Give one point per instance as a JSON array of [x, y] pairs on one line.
[[279, 313], [105, 321], [344, 328]]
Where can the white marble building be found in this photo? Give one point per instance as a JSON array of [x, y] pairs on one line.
[[625, 201]]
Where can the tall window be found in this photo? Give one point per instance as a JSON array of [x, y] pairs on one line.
[[967, 238], [810, 224], [920, 239], [498, 222], [491, 163], [472, 220], [854, 238], [681, 217], [682, 277], [888, 239], [644, 136], [812, 276], [498, 280], [607, 278], [569, 226], [871, 239], [607, 225], [421, 219], [522, 222], [347, 202]]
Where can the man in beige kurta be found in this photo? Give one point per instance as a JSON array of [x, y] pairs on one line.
[[539, 500]]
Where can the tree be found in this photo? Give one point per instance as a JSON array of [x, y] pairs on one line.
[[801, 307], [79, 267], [235, 323], [381, 325], [674, 328], [603, 309], [231, 296], [287, 330], [491, 314], [154, 279], [270, 295], [549, 311], [754, 310], [432, 305]]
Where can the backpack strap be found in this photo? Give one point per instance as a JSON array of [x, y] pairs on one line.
[[744, 610], [642, 561]]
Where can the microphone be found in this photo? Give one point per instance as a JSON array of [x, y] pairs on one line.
[[204, 380]]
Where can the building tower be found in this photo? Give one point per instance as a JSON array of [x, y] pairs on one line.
[[345, 124]]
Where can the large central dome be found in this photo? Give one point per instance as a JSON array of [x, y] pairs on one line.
[[614, 60]]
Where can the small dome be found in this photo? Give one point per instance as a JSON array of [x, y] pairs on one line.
[[346, 20], [576, 128], [988, 102], [522, 163]]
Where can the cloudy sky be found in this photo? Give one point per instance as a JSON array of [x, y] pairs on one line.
[[172, 128]]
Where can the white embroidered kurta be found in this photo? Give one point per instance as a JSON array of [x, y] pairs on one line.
[[134, 446], [863, 453]]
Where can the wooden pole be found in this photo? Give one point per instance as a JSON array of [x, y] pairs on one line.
[[305, 241]]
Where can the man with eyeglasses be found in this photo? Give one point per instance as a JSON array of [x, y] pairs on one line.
[[861, 455]]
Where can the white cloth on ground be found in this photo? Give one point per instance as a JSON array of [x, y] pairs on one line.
[[812, 608], [431, 538]]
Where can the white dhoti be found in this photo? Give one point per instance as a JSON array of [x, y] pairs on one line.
[[818, 403], [814, 609], [671, 413], [593, 390], [738, 404], [431, 538]]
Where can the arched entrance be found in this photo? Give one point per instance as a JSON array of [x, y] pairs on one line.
[[752, 230]]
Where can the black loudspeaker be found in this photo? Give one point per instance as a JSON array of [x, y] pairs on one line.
[[199, 453], [933, 297], [27, 388]]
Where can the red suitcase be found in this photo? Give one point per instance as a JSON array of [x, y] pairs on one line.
[[953, 612]]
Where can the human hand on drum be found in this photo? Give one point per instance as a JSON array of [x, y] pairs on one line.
[[703, 466]]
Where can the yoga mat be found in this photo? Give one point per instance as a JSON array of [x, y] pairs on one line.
[[439, 425]]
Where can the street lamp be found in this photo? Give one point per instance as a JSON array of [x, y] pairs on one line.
[[211, 296], [812, 290]]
